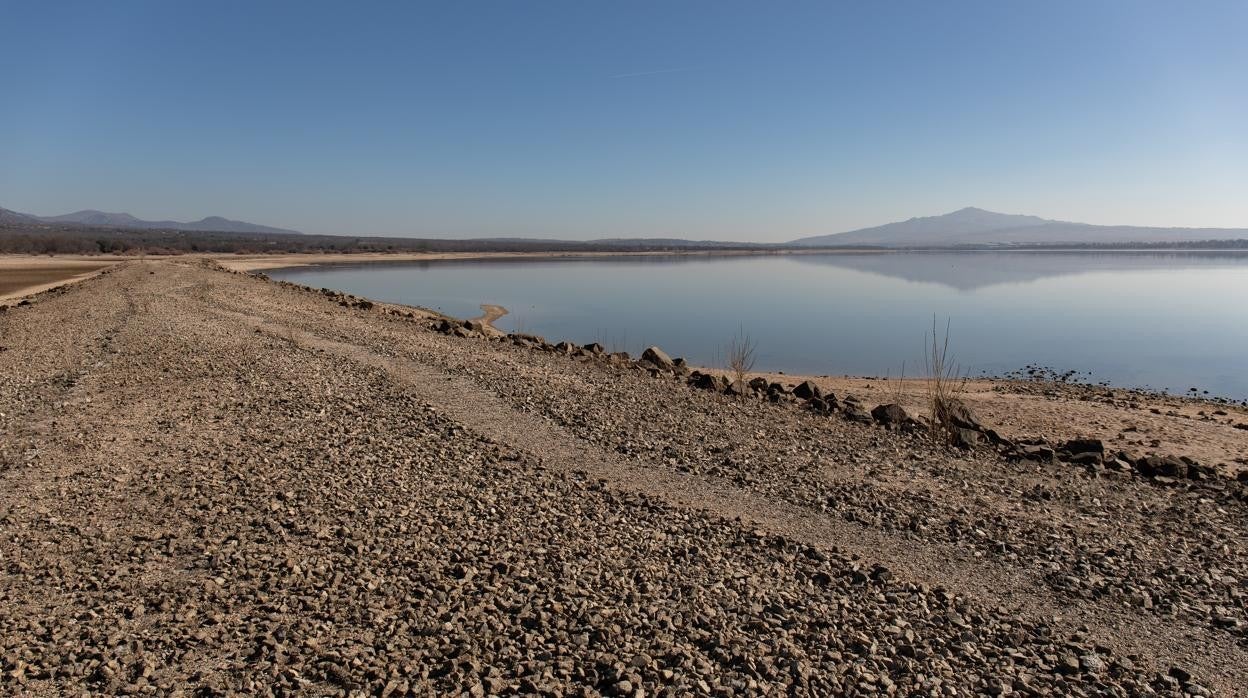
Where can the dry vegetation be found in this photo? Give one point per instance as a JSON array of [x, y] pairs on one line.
[[739, 356], [943, 383]]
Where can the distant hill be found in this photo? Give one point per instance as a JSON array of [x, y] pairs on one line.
[[125, 220], [674, 242], [8, 217], [977, 227]]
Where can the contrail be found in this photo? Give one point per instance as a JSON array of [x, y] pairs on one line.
[[651, 72]]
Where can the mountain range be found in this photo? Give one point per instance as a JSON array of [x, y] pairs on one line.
[[102, 219], [967, 227], [976, 227]]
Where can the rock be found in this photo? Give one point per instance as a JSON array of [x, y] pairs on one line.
[[892, 415], [1086, 458], [656, 356], [1161, 466], [737, 388], [706, 381], [594, 348], [1077, 446], [1036, 452], [1171, 466], [1091, 663], [758, 384], [854, 413], [565, 348], [961, 416], [807, 391], [965, 438]]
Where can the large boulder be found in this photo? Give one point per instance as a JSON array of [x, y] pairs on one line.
[[891, 415], [807, 391], [594, 348], [854, 413], [705, 381], [656, 356], [1162, 466], [1077, 446], [961, 416]]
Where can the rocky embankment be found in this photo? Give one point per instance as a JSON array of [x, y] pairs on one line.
[[214, 483]]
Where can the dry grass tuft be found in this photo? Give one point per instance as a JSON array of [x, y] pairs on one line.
[[739, 355], [943, 384]]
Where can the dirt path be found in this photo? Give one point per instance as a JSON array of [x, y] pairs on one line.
[[988, 581]]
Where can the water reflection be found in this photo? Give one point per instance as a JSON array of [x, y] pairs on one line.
[[1166, 320], [967, 271]]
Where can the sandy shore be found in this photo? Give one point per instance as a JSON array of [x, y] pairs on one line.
[[212, 481], [490, 313], [1124, 419], [24, 275]]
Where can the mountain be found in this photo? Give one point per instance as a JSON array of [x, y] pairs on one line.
[[674, 242], [13, 217], [125, 220], [975, 226]]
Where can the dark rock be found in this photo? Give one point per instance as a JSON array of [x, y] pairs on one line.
[[965, 438], [998, 439], [891, 415], [595, 348], [961, 416], [854, 413], [807, 390], [1161, 466], [758, 384], [1036, 452], [705, 381], [1078, 446], [1086, 458]]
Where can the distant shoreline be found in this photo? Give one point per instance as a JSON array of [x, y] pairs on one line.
[[44, 272]]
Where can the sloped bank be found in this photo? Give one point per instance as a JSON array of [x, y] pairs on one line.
[[966, 430]]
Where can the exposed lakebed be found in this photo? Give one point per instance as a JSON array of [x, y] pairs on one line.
[[1163, 320]]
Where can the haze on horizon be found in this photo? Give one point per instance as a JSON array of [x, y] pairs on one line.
[[727, 121]]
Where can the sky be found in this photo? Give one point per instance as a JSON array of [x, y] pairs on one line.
[[706, 120]]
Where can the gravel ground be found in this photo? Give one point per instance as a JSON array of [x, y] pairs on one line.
[[214, 484]]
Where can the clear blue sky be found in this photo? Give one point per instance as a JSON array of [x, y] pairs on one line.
[[712, 120]]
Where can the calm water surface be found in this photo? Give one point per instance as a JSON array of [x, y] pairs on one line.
[[1169, 321]]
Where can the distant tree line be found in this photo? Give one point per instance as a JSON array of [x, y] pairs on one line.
[[84, 240], [88, 240]]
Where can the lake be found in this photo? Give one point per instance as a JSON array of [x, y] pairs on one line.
[[1168, 321]]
